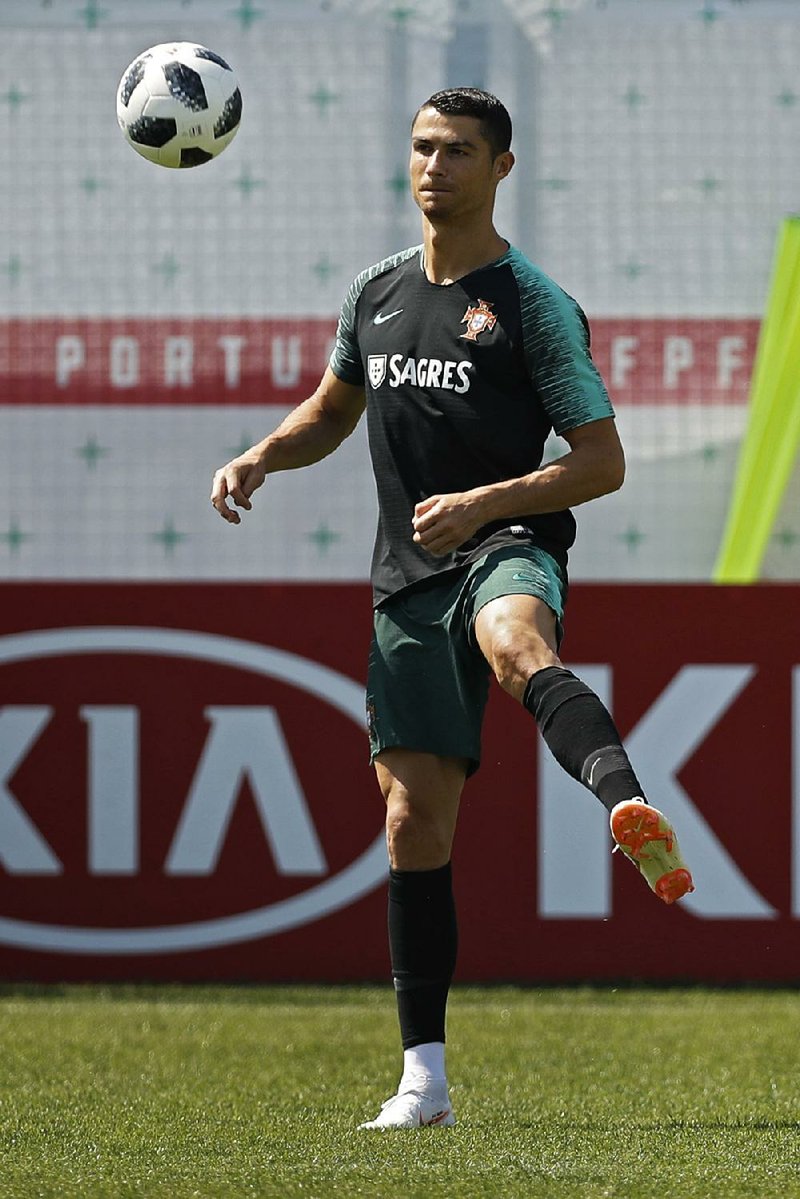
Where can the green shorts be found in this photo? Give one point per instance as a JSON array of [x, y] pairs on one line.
[[428, 680]]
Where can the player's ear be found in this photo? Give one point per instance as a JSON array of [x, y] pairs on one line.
[[503, 164]]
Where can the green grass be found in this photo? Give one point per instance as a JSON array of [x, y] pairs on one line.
[[221, 1091]]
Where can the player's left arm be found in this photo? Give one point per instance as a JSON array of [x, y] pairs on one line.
[[594, 466]]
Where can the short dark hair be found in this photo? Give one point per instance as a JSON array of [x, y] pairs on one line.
[[472, 102]]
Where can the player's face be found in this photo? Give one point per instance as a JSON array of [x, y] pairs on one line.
[[453, 173]]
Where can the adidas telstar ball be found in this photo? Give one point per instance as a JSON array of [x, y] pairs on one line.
[[179, 104]]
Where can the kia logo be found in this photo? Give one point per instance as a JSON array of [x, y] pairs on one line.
[[292, 833]]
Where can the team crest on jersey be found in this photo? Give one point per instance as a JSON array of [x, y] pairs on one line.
[[478, 319], [376, 367]]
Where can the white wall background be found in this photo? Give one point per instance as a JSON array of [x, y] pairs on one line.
[[658, 146]]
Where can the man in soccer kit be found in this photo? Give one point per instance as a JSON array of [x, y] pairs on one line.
[[465, 356]]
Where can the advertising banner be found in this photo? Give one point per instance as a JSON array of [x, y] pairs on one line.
[[247, 360], [185, 791]]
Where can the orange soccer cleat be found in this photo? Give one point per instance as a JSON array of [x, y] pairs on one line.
[[646, 837]]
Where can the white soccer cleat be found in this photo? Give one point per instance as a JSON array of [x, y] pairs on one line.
[[413, 1109]]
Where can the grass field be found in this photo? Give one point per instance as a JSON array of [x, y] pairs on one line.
[[257, 1091]]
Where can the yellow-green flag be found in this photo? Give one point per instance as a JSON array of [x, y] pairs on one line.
[[770, 444]]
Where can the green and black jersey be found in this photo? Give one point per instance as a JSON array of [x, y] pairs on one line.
[[464, 383]]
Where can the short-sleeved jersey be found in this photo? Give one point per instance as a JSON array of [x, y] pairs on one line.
[[464, 382]]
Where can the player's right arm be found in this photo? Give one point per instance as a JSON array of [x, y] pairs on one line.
[[309, 433]]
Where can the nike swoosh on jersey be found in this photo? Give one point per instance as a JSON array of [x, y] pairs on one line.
[[380, 319]]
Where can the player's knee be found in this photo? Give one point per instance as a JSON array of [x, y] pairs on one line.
[[516, 652], [504, 652], [416, 839]]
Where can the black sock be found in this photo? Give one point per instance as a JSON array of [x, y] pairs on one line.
[[423, 940], [581, 735]]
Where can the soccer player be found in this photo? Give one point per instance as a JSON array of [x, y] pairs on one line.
[[465, 356]]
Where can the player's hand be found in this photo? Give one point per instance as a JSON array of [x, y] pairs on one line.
[[238, 479], [444, 522]]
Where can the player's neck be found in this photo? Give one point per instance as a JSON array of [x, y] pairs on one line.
[[451, 253]]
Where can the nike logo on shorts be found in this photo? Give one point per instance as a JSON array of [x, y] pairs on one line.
[[380, 319]]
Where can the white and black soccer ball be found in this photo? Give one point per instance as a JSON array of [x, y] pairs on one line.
[[179, 104]]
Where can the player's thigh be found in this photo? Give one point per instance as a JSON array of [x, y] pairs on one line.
[[517, 597], [422, 793], [517, 634], [427, 682]]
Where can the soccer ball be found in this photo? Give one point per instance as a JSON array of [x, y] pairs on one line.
[[179, 104]]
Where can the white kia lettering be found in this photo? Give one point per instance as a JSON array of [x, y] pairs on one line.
[[666, 736], [574, 865], [246, 743], [23, 850], [574, 857], [113, 789], [227, 758]]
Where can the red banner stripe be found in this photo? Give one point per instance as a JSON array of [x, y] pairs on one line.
[[279, 361]]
